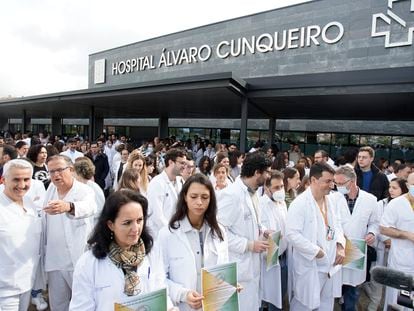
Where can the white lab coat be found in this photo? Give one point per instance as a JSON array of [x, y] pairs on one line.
[[36, 193], [237, 214], [98, 284], [162, 199], [306, 234], [380, 239], [99, 199], [273, 217], [179, 260], [76, 229], [20, 249], [399, 215], [114, 170], [72, 155], [362, 221]]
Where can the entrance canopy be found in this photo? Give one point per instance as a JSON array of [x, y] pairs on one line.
[[209, 96], [385, 94]]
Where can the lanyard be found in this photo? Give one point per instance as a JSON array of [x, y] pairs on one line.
[[324, 212], [410, 201]]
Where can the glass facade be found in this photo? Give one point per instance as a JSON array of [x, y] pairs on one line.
[[386, 146]]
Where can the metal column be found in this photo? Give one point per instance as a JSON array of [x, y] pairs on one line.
[[57, 128], [271, 133], [243, 124], [95, 125], [163, 127], [25, 122]]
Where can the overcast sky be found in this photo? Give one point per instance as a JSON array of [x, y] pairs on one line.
[[46, 43]]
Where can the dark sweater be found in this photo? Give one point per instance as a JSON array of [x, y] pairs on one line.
[[379, 182]]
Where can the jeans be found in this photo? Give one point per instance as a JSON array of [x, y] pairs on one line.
[[35, 292], [270, 307], [351, 296]]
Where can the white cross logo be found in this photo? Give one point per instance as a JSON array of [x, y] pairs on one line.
[[388, 18]]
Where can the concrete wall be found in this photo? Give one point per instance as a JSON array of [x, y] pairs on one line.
[[356, 50]]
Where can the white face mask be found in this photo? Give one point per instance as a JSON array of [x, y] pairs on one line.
[[342, 189], [279, 195], [411, 190]]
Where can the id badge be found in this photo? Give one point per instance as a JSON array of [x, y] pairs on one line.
[[330, 233]]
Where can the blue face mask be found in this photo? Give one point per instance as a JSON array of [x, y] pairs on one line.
[[411, 190], [342, 189]]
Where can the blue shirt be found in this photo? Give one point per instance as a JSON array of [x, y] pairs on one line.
[[366, 180]]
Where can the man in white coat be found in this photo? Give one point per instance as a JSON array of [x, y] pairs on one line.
[[68, 207], [398, 223], [358, 214], [239, 213], [20, 234], [273, 282], [314, 231], [163, 191], [71, 151]]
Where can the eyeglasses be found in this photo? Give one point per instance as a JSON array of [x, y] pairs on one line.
[[58, 170], [341, 184], [181, 162]]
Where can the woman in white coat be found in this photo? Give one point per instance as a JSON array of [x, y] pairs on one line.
[[192, 240], [122, 262], [397, 187], [84, 172]]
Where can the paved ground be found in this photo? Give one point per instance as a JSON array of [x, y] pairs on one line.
[[362, 306]]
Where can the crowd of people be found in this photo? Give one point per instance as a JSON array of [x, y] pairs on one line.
[[92, 224]]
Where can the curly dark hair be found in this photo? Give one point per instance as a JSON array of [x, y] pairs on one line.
[[34, 151], [182, 209], [101, 237]]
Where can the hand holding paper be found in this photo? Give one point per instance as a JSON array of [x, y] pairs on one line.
[[272, 258], [194, 299]]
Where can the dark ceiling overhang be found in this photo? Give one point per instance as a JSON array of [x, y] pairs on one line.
[[209, 96], [380, 94]]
